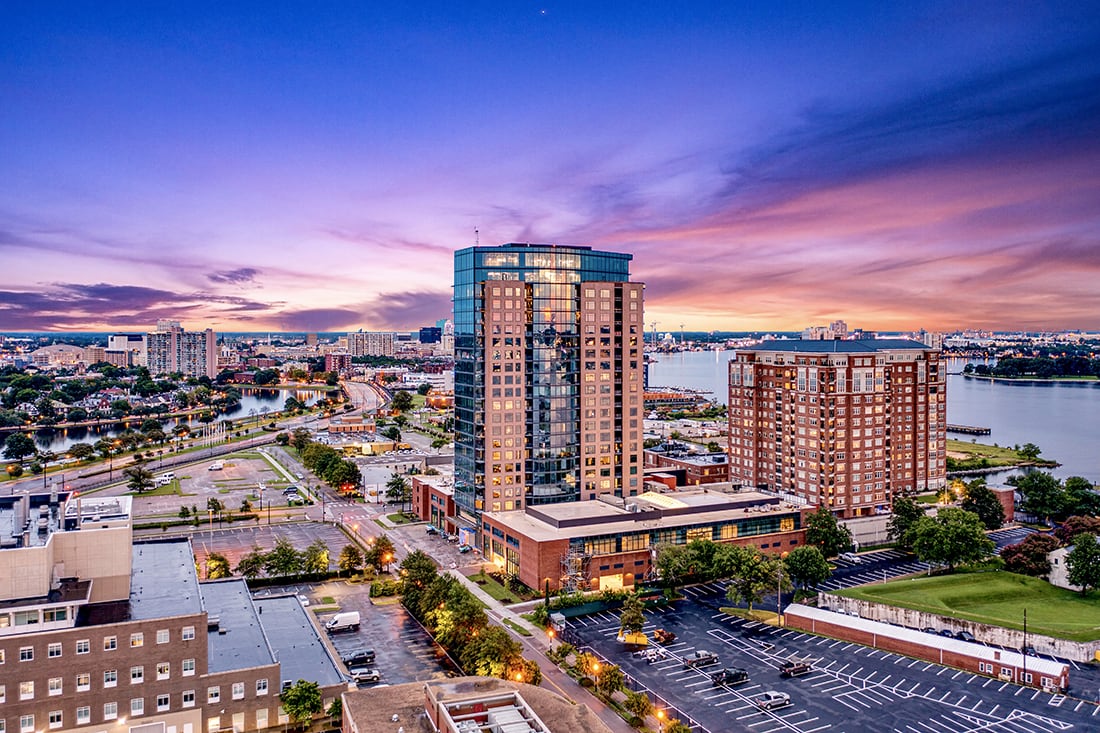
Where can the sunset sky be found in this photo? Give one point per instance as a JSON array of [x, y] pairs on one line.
[[313, 165]]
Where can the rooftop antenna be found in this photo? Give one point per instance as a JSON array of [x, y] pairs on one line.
[[477, 237], [681, 335]]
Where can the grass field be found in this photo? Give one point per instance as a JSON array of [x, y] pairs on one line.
[[994, 598]]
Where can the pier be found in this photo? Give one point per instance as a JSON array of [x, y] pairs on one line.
[[968, 429]]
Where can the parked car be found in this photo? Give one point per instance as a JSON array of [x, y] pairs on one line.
[[304, 600], [929, 630], [290, 490], [794, 668], [701, 658], [771, 699], [729, 677], [849, 557], [965, 636], [947, 632], [359, 675], [344, 621], [654, 654], [215, 466], [357, 657], [464, 549], [661, 636], [431, 530]]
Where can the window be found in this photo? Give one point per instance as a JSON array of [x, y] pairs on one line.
[[188, 700], [55, 685], [213, 724], [26, 724], [1, 655], [238, 690], [26, 690], [83, 646], [26, 654], [110, 643], [110, 678], [3, 693], [163, 702], [83, 682], [188, 633], [261, 719], [163, 636], [188, 667], [137, 706], [110, 710], [213, 694], [164, 670], [137, 675], [261, 687], [53, 650], [55, 719], [137, 640], [83, 715]]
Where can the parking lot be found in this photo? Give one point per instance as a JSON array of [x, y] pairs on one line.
[[403, 650], [849, 688], [239, 541]]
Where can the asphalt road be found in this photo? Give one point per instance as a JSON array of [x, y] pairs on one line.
[[851, 688]]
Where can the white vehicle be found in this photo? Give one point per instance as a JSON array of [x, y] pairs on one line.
[[344, 621], [772, 699], [850, 557], [216, 466], [163, 481]]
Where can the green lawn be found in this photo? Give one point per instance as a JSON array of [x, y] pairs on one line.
[[493, 588], [997, 598]]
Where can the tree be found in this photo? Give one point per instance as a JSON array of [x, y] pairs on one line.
[[1080, 497], [381, 552], [1083, 563], [953, 537], [675, 726], [424, 389], [140, 479], [18, 446], [756, 575], [632, 618], [418, 570], [981, 500], [283, 559], [906, 513], [1029, 557], [282, 439], [398, 490], [252, 565], [714, 447], [491, 653], [402, 401], [823, 530], [81, 451], [302, 701], [300, 439], [610, 679], [217, 566], [315, 557], [15, 470], [1043, 494], [392, 432], [638, 705], [351, 559], [1076, 525], [672, 564], [1029, 451], [807, 566]]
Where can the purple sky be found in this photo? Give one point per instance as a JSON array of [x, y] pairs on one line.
[[312, 166]]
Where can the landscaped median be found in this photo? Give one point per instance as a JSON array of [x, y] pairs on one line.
[[997, 601]]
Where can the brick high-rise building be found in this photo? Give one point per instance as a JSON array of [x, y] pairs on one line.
[[548, 376], [371, 343], [843, 424]]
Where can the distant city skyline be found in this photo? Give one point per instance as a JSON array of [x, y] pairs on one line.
[[296, 168]]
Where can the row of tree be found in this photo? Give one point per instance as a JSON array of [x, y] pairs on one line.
[[1031, 556], [1047, 498], [1038, 367], [457, 620], [325, 461]]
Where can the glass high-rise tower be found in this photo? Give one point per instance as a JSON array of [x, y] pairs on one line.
[[548, 376]]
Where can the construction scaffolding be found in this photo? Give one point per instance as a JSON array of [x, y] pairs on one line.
[[574, 569]]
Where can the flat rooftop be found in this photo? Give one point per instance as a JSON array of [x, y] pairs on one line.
[[813, 346], [296, 641], [371, 710], [646, 512], [29, 520], [163, 582], [238, 641]]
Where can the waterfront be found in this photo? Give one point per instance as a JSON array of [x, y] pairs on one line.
[[254, 401], [1061, 418]]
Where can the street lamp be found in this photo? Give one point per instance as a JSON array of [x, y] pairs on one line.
[[661, 720], [550, 634], [596, 673]]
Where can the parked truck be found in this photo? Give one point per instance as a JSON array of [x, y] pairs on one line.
[[343, 621], [701, 658]]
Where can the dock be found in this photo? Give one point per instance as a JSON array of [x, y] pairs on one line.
[[968, 429]]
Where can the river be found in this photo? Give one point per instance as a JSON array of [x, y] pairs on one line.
[[259, 400], [1062, 419]]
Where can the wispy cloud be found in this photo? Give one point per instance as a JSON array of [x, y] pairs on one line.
[[239, 276]]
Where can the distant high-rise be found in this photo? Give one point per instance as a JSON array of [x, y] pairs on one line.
[[548, 376], [371, 343], [844, 424], [175, 350]]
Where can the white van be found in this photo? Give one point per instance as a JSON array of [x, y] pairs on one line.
[[216, 466], [344, 621]]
